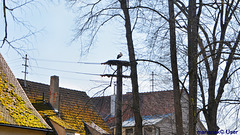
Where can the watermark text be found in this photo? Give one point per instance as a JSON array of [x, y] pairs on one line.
[[228, 132]]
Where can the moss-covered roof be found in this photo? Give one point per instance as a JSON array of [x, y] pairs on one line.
[[74, 106], [15, 107], [46, 111], [61, 122]]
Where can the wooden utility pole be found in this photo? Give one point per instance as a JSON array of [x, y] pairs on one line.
[[118, 112], [118, 121]]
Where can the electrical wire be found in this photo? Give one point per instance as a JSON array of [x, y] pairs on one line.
[[60, 61], [14, 61], [66, 71], [63, 77]]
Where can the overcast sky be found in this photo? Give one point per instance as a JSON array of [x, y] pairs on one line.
[[51, 51]]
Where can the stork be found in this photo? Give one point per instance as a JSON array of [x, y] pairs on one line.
[[119, 55]]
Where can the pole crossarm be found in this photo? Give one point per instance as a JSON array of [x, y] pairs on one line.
[[117, 62]]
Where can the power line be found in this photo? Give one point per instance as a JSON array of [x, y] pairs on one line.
[[14, 60], [60, 61], [64, 77], [66, 71]]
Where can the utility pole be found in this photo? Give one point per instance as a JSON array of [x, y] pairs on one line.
[[119, 101], [152, 80], [25, 71], [118, 112]]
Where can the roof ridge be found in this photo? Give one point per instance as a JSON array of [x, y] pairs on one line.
[[49, 85], [156, 91], [32, 81], [129, 93]]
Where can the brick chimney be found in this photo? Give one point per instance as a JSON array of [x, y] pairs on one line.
[[54, 93]]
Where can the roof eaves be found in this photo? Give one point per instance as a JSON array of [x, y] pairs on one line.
[[30, 128]]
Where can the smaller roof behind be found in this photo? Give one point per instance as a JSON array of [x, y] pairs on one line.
[[151, 104]]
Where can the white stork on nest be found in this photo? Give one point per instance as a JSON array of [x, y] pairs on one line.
[[119, 55]]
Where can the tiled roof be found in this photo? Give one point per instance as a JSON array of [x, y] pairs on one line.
[[46, 111], [15, 107], [151, 103], [74, 105]]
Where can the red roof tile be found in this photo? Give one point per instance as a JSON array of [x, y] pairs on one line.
[[151, 103]]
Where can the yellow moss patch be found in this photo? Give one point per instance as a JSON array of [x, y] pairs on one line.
[[88, 115], [61, 122], [3, 121], [16, 106]]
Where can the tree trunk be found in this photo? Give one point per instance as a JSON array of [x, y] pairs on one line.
[[211, 118], [175, 78], [192, 29], [133, 65], [211, 114]]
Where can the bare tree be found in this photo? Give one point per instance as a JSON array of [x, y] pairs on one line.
[[133, 65], [219, 48], [174, 65], [213, 39], [9, 11], [212, 54], [95, 18]]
